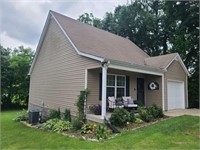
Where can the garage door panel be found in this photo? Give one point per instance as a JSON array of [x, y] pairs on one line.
[[176, 95]]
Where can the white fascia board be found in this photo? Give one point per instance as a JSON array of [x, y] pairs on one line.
[[91, 56], [181, 62], [76, 49], [40, 42], [139, 70]]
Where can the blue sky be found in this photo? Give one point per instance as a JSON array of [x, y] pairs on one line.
[[22, 21]]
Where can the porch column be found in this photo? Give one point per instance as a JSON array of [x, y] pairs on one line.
[[104, 82]]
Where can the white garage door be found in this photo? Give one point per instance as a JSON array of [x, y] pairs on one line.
[[175, 95]]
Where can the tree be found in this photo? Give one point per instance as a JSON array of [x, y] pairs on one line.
[[5, 76], [184, 39], [15, 79], [161, 27], [91, 20]]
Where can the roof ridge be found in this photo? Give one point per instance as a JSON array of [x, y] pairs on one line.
[[118, 36], [161, 55]]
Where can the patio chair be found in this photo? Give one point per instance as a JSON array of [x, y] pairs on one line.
[[128, 102], [113, 104]]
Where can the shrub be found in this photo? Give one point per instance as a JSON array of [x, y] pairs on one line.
[[138, 120], [156, 111], [49, 124], [132, 117], [62, 125], [101, 132], [144, 114], [96, 109], [77, 124], [57, 125], [21, 116], [55, 114], [67, 115], [120, 117], [80, 104], [88, 128]]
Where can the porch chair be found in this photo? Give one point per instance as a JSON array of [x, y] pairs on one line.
[[129, 102], [113, 104]]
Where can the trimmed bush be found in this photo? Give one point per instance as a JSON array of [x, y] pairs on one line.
[[120, 117], [156, 111], [144, 114], [67, 115]]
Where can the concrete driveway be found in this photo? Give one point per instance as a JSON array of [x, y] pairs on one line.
[[180, 112]]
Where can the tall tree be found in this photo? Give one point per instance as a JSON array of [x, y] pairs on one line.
[[161, 27], [184, 38], [15, 79], [5, 76], [91, 20]]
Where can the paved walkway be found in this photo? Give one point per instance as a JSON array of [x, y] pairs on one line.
[[180, 112]]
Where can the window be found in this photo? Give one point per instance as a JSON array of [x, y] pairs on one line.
[[116, 85]]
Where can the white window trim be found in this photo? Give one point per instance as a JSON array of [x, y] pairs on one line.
[[115, 87]]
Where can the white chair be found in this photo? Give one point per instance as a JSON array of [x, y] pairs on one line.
[[112, 103], [128, 102]]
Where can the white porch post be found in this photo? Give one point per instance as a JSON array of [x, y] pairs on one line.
[[104, 82], [163, 92]]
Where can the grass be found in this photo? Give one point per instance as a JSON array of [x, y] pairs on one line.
[[175, 133]]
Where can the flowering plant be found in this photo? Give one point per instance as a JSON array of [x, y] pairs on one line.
[[96, 109]]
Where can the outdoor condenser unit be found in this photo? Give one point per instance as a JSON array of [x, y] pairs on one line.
[[33, 116]]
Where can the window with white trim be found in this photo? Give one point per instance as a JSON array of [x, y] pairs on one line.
[[116, 85]]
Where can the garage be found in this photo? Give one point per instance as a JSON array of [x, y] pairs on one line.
[[175, 95]]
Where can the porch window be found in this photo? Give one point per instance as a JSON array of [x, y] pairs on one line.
[[116, 85]]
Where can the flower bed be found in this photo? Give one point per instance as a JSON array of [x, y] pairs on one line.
[[122, 119]]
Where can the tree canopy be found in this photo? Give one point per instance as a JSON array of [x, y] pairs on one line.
[[160, 27], [15, 65]]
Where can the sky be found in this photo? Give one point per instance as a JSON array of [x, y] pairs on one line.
[[22, 21]]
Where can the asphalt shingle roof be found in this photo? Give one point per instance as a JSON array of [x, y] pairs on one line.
[[97, 42]]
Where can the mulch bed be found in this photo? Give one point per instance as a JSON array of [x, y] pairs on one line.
[[91, 137]]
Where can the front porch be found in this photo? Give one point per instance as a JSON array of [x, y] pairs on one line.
[[97, 118], [108, 81]]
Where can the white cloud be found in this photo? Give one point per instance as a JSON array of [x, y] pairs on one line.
[[9, 42], [22, 21]]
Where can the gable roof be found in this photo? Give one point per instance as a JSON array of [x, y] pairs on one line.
[[97, 42], [164, 61], [101, 45], [160, 61]]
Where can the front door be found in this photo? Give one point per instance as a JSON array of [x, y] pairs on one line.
[[140, 90]]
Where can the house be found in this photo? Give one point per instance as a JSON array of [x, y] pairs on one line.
[[72, 56]]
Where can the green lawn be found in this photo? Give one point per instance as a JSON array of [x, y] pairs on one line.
[[175, 133]]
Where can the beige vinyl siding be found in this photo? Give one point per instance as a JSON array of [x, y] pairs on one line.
[[155, 96], [59, 72], [93, 86], [175, 72]]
